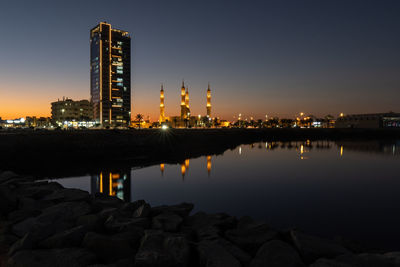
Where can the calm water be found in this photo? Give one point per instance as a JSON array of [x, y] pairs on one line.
[[325, 188]]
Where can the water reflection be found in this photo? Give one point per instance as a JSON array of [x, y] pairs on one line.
[[114, 183], [342, 185]]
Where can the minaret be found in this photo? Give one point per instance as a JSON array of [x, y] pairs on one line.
[[162, 107], [183, 101], [187, 103], [209, 101]]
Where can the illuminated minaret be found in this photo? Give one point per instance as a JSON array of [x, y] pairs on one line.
[[209, 101], [183, 101], [162, 107], [187, 103]]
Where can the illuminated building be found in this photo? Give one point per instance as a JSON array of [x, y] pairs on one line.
[[378, 120], [69, 110], [187, 103], [209, 101], [110, 75], [162, 107]]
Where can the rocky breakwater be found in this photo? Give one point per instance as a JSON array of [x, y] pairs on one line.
[[44, 224]]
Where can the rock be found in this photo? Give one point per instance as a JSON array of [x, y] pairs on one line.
[[6, 241], [203, 220], [239, 254], [167, 221], [69, 238], [110, 248], [393, 256], [182, 209], [67, 257], [329, 263], [142, 211], [366, 260], [276, 253], [212, 254], [7, 175], [312, 248], [92, 222], [20, 215], [68, 194], [102, 201], [38, 191], [250, 236], [130, 207], [161, 249], [29, 241], [116, 225], [8, 200], [54, 219]]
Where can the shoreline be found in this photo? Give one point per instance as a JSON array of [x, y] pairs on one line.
[[44, 224], [48, 152]]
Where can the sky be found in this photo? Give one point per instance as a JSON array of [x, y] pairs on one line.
[[275, 58]]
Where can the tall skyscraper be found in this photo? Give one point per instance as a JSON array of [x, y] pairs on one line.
[[110, 75]]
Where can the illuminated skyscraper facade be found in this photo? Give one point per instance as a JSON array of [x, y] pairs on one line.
[[110, 75]]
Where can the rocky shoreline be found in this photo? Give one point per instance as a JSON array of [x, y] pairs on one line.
[[44, 224]]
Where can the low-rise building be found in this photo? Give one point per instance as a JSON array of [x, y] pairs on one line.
[[69, 110], [377, 120]]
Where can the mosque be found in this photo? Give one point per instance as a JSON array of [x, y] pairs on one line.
[[185, 119]]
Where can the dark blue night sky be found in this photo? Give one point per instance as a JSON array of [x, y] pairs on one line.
[[261, 57]]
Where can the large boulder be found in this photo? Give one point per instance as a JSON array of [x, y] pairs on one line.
[[110, 248], [167, 221], [357, 260], [54, 219], [182, 209], [92, 222], [212, 254], [67, 257], [250, 235], [8, 200], [69, 238], [160, 249], [7, 175], [142, 211], [312, 248], [37, 190], [276, 253], [117, 225], [68, 194]]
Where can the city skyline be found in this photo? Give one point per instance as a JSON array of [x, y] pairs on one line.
[[265, 58]]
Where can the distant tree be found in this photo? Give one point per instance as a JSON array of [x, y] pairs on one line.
[[139, 119]]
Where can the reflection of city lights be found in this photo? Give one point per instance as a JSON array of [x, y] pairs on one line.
[[209, 164], [266, 145], [162, 165], [164, 127], [240, 150], [301, 149], [101, 182], [341, 150]]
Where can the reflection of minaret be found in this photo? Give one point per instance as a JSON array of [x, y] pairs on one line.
[[183, 170], [162, 169], [162, 108], [183, 101], [209, 165], [113, 183], [209, 101], [187, 164]]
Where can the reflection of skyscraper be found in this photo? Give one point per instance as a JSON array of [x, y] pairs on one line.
[[183, 170], [110, 75], [113, 183]]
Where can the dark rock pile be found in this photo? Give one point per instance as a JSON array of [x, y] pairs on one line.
[[44, 224]]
